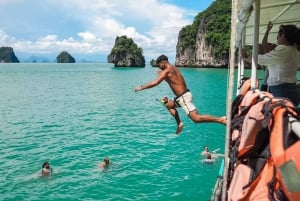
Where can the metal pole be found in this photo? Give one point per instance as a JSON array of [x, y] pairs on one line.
[[229, 94], [255, 43]]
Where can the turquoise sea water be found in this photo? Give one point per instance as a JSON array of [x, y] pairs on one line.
[[74, 115]]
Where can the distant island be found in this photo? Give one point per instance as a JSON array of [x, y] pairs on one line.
[[36, 59], [153, 63], [7, 55], [204, 43], [125, 53], [65, 57]]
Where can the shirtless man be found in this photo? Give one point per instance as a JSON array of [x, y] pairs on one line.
[[174, 78]]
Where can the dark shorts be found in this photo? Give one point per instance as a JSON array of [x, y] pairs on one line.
[[287, 90]]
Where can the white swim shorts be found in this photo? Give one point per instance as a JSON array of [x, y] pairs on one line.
[[185, 101]]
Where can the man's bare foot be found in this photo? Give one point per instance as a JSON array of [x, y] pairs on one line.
[[179, 128], [224, 120]]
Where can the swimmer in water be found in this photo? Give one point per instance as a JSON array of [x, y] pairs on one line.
[[205, 151], [46, 169], [105, 163], [208, 159]]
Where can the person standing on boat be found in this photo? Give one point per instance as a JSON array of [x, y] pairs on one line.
[[174, 78], [283, 63], [267, 47]]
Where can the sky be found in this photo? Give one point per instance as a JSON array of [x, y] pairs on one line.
[[88, 29]]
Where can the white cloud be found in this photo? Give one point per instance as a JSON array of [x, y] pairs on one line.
[[5, 39], [152, 24], [87, 36], [49, 38]]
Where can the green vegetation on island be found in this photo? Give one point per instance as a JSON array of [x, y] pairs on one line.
[[126, 44], [125, 53], [216, 21]]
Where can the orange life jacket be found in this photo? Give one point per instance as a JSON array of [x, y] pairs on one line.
[[285, 151], [264, 151]]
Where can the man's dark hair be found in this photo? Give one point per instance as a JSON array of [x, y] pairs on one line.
[[161, 58], [45, 165], [106, 160]]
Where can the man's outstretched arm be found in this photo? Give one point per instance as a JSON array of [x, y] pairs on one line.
[[162, 75]]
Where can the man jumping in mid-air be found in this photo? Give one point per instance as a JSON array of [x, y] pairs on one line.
[[174, 78]]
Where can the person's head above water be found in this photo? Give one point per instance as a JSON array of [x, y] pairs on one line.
[[106, 161], [46, 165], [208, 156], [206, 149], [46, 169]]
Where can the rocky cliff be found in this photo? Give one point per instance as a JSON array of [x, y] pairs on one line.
[[7, 55], [126, 53], [206, 42]]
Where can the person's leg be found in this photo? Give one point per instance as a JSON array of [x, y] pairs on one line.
[[190, 109], [197, 118], [172, 109]]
